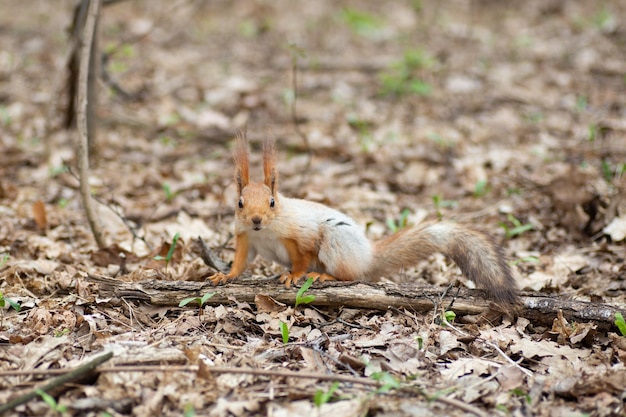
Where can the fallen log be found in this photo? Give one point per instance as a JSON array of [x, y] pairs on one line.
[[540, 309]]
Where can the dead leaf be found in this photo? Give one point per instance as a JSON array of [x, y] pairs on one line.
[[266, 304], [510, 377], [616, 229], [39, 214], [465, 366], [447, 342], [112, 255]]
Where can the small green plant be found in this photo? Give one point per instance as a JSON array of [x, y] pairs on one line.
[[361, 23], [449, 316], [440, 203], [403, 77], [52, 403], [322, 397], [581, 104], [526, 259], [481, 188], [363, 129], [518, 392], [248, 29], [169, 194], [440, 140], [4, 258], [170, 252], [420, 342], [284, 332], [63, 202], [305, 299], [3, 302], [610, 172], [189, 410], [620, 323], [56, 171], [517, 229], [604, 20], [513, 191], [534, 117], [166, 140], [593, 132], [61, 332], [5, 117], [389, 382], [6, 300], [200, 300], [402, 222]]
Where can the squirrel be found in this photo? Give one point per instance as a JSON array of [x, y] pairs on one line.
[[317, 241]]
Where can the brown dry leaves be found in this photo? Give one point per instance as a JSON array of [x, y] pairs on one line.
[[524, 123]]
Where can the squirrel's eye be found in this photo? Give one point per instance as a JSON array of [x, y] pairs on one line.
[[272, 202], [240, 203]]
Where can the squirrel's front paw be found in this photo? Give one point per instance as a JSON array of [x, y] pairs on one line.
[[219, 278], [288, 278]]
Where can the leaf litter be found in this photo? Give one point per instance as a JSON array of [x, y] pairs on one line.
[[523, 99]]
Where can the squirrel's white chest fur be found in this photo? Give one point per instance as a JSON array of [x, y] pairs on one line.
[[267, 244]]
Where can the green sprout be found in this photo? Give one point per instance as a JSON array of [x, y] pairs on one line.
[[200, 300], [389, 382], [169, 194], [6, 300], [284, 331], [403, 77], [526, 259], [439, 203], [322, 397], [593, 132], [420, 342], [305, 299], [401, 223], [61, 332], [518, 392], [170, 252], [52, 403], [481, 188], [449, 316], [189, 410], [362, 23], [517, 229]]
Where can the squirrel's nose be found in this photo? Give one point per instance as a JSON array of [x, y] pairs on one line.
[[256, 220]]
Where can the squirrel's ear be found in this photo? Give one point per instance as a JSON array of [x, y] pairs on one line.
[[269, 165], [242, 164], [272, 181]]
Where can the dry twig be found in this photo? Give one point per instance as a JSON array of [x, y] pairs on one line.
[[83, 145], [57, 382]]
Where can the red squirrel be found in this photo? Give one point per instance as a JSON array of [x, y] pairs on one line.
[[317, 241]]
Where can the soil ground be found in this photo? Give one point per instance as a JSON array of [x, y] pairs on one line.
[[507, 115]]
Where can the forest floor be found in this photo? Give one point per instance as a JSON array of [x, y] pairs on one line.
[[507, 115]]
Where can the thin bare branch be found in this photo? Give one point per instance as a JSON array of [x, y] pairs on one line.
[[83, 144]]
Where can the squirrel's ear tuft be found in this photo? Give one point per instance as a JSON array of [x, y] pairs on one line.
[[272, 183], [242, 164], [269, 165]]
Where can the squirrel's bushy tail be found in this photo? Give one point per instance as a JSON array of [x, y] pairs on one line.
[[479, 258]]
